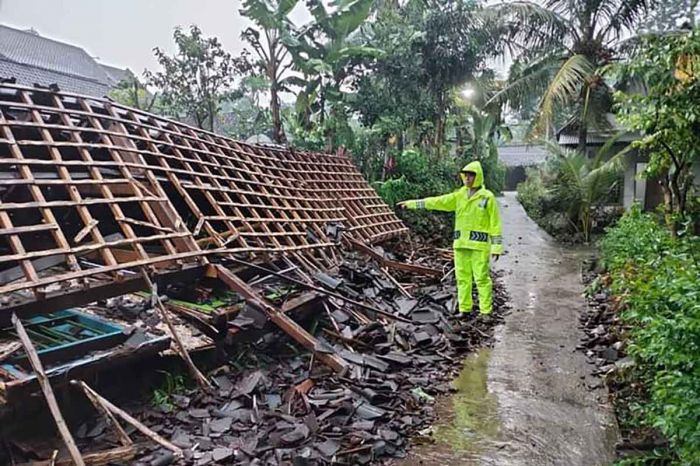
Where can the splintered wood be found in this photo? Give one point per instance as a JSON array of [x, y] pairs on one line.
[[107, 190]]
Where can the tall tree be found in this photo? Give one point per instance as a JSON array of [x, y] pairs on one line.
[[561, 48], [326, 53], [269, 38], [197, 78], [453, 48], [430, 49]]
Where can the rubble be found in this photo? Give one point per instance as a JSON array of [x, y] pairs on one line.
[[605, 348], [294, 410], [188, 241]]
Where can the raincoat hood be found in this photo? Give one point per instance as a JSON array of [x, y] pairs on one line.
[[476, 168]]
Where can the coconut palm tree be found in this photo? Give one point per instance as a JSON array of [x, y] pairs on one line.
[[561, 49]]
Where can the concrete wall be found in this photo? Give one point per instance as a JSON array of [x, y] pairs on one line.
[[634, 188]]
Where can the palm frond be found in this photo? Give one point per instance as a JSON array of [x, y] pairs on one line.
[[626, 16], [529, 24], [564, 87], [284, 7], [259, 12], [349, 18], [529, 81]]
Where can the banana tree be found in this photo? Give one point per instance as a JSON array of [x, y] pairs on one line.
[[325, 52], [273, 30]]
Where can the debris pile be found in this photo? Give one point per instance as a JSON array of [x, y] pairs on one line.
[[605, 346], [271, 404], [185, 239], [287, 408]]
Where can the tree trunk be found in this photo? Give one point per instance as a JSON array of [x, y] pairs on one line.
[[212, 115], [440, 123], [582, 138], [668, 204], [277, 129]]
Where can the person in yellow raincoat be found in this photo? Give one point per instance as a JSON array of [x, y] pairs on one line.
[[477, 234]]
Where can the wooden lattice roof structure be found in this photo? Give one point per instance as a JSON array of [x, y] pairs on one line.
[[104, 190]]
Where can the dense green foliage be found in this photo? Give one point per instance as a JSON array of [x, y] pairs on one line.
[[658, 279], [667, 116]]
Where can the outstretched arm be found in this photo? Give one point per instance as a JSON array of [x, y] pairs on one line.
[[445, 203]]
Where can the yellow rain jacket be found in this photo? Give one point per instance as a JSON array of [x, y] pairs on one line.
[[477, 221], [477, 235]]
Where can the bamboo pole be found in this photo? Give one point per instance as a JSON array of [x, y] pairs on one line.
[[198, 376], [48, 392]]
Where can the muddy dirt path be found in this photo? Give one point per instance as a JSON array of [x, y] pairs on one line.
[[527, 401]]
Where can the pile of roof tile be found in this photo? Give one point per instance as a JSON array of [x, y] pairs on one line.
[[284, 407]]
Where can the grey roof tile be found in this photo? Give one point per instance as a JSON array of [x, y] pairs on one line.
[[116, 75], [33, 59], [29, 76]]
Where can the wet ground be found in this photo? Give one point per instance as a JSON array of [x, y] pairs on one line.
[[527, 401]]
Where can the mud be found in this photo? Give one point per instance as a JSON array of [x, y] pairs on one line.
[[527, 401]]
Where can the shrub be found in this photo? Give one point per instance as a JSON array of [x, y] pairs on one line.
[[658, 279], [418, 175], [568, 195]]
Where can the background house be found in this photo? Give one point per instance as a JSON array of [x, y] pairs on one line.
[[518, 157], [32, 59]]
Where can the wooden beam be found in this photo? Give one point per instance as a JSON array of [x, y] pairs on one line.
[[198, 376], [100, 458], [287, 325], [99, 406], [134, 422], [410, 268]]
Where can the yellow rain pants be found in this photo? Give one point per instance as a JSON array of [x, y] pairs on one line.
[[472, 265]]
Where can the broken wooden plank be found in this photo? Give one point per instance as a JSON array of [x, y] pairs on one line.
[[134, 422], [100, 458], [99, 406], [198, 376], [48, 392], [290, 327], [85, 231], [10, 350], [410, 268], [315, 288]]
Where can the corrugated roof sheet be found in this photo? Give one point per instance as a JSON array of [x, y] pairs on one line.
[[521, 155]]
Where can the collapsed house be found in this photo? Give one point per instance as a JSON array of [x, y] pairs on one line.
[[94, 193], [124, 235]]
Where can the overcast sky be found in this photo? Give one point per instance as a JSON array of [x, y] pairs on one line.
[[124, 32]]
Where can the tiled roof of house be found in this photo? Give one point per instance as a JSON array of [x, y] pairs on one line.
[[33, 59]]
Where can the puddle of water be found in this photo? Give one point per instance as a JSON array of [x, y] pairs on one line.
[[466, 422]]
